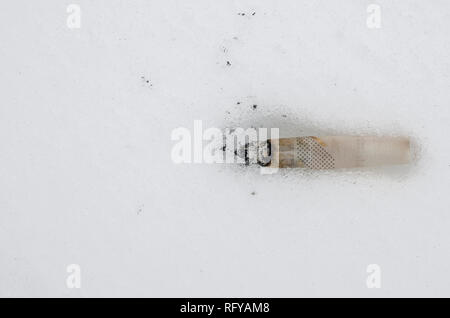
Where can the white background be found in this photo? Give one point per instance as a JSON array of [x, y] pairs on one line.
[[86, 175]]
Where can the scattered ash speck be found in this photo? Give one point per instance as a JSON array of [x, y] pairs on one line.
[[254, 106], [253, 193], [238, 103], [146, 81], [243, 13], [228, 63]]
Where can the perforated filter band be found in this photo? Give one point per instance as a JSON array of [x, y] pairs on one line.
[[312, 154]]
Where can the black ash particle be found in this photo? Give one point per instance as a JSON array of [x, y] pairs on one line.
[[254, 106], [228, 63], [146, 81]]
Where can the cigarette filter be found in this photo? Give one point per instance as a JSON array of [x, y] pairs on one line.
[[333, 152]]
